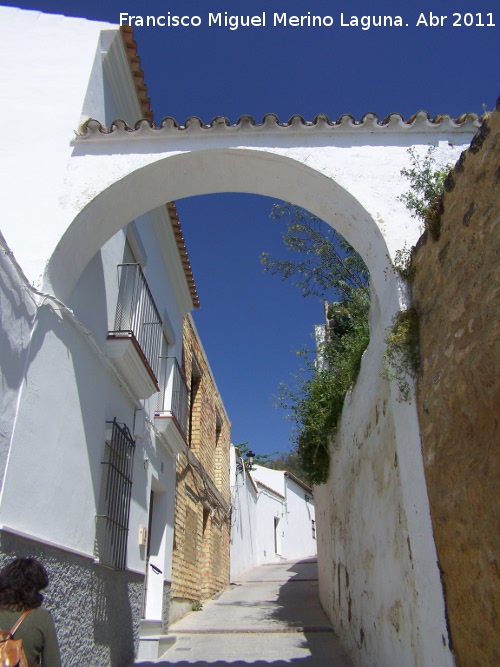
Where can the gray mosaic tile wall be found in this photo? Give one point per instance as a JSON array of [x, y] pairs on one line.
[[97, 611]]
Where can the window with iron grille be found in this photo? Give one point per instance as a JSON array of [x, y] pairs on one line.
[[116, 491]]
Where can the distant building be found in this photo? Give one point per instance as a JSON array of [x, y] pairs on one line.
[[272, 516], [286, 517]]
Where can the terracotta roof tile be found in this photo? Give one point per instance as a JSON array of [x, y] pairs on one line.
[[181, 246], [145, 104], [368, 123], [137, 73]]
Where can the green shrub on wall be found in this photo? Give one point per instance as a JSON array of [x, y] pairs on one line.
[[402, 355], [324, 265], [316, 399], [424, 199]]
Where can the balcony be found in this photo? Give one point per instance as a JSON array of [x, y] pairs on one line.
[[134, 344], [171, 415]]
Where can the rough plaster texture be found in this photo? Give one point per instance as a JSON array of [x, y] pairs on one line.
[[97, 611], [456, 292], [167, 589]]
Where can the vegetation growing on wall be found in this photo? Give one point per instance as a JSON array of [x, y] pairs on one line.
[[315, 402], [402, 355], [327, 266], [424, 199]]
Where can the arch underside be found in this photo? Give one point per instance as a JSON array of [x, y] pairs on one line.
[[177, 176]]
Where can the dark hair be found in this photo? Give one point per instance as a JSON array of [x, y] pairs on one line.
[[20, 584]]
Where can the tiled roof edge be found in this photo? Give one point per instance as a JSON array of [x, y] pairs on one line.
[[181, 246], [145, 104], [370, 121], [298, 481], [268, 488], [136, 71]]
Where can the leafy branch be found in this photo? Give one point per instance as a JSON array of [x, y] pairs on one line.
[[424, 199], [324, 261], [325, 264]]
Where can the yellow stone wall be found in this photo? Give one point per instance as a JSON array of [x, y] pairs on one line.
[[457, 295], [200, 565]]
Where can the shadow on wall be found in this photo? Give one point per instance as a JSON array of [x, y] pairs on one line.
[[112, 616]]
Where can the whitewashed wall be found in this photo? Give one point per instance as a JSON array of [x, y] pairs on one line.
[[243, 551], [299, 540], [288, 504], [270, 506], [58, 387], [377, 575], [17, 311], [56, 84]]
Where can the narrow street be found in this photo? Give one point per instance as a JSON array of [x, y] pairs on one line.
[[270, 616]]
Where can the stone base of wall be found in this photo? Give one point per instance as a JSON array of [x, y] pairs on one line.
[[167, 590], [97, 610], [179, 607]]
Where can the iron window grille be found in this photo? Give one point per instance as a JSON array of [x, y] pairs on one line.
[[173, 384], [137, 316], [116, 492]]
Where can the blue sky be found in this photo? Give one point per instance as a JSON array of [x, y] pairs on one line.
[[251, 323]]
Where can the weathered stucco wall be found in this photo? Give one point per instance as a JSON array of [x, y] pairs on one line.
[[378, 578], [457, 295]]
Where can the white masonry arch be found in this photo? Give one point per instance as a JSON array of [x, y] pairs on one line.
[[346, 173]]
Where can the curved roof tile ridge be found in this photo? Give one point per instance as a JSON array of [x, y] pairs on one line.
[[369, 121]]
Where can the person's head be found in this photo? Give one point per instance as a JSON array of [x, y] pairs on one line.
[[21, 582]]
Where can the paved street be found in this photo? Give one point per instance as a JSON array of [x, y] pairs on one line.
[[270, 616]]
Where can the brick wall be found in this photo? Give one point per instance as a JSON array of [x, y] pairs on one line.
[[200, 566], [457, 295]]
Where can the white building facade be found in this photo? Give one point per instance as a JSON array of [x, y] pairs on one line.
[[285, 516], [273, 517], [244, 530], [93, 404]]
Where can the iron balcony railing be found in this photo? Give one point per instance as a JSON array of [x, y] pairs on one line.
[[173, 396], [137, 316]]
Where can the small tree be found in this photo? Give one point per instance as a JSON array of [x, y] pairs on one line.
[[326, 265]]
